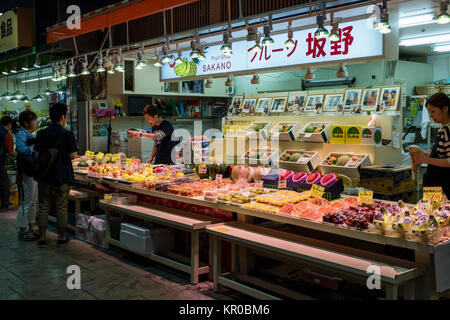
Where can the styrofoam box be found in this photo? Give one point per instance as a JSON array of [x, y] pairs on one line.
[[140, 144], [352, 173], [160, 239], [263, 134], [303, 164], [323, 136], [291, 135]]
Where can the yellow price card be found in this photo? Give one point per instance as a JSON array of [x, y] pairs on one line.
[[317, 191], [99, 156], [87, 154], [365, 196], [129, 162], [108, 157], [222, 229], [107, 197], [432, 193]]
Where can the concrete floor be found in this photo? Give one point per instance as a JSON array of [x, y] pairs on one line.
[[28, 272]]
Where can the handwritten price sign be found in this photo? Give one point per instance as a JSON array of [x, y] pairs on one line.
[[432, 193], [365, 196], [282, 184], [317, 191], [129, 162]]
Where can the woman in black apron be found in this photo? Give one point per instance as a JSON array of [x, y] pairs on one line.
[[438, 173]]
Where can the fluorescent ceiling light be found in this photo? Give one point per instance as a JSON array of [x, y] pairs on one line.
[[445, 48], [425, 40], [37, 79], [416, 20]]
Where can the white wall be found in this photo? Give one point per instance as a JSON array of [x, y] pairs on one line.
[[441, 66]]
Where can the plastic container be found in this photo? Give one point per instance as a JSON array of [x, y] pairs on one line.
[[322, 136]]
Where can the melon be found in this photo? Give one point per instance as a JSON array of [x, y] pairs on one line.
[[238, 170], [295, 157], [260, 172], [251, 174], [342, 160]]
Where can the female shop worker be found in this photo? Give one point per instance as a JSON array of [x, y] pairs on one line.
[[162, 135], [438, 173]]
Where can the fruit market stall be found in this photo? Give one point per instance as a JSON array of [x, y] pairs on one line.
[[420, 232]]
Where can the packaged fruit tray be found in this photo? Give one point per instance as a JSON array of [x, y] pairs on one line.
[[260, 156], [300, 160], [285, 131], [258, 130], [347, 164], [316, 132]]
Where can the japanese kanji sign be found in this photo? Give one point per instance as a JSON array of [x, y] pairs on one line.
[[356, 40], [8, 31]]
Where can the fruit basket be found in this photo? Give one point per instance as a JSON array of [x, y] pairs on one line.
[[260, 156], [285, 131], [316, 132], [258, 130], [300, 160], [347, 164]]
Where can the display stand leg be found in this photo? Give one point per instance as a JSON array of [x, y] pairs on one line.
[[194, 257], [391, 292], [233, 257], [77, 206], [217, 262], [211, 253], [108, 227], [409, 290], [424, 285], [244, 264]]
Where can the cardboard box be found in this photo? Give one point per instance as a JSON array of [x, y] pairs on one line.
[[352, 134], [387, 179], [337, 134], [140, 145], [371, 135]]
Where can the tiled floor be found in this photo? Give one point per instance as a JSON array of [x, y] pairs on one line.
[[28, 272]]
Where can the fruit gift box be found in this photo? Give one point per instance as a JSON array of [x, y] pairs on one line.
[[285, 131], [347, 164], [316, 132], [300, 160], [258, 130], [260, 156]]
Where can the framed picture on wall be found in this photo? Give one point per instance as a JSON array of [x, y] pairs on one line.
[[263, 105], [389, 97], [248, 105], [369, 99], [278, 104], [332, 102], [236, 104], [352, 99], [313, 103], [296, 103]]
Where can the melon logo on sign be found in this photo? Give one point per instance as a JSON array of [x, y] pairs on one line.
[[353, 132], [338, 133]]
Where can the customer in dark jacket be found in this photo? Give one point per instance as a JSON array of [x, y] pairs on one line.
[[54, 188], [6, 147]]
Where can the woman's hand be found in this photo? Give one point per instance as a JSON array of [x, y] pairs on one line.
[[419, 158], [150, 160]]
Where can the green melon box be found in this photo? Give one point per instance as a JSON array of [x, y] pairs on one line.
[[337, 134]]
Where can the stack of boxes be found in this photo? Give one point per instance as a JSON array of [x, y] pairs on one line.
[[140, 148]]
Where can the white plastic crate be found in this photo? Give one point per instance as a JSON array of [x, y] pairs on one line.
[[323, 136]]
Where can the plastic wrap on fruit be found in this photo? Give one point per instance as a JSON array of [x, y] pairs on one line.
[[397, 219], [424, 206], [421, 225], [416, 150], [442, 217], [382, 219], [404, 225]]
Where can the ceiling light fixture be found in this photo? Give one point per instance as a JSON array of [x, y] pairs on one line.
[[255, 79], [38, 98], [342, 72], [226, 47], [290, 42], [71, 73], [417, 20], [195, 53], [25, 99], [445, 48], [37, 63], [321, 31], [229, 82], [5, 71], [383, 24], [208, 84], [443, 17], [252, 34], [62, 72], [25, 66], [13, 68], [166, 58], [334, 35], [118, 61], [440, 38], [100, 67], [157, 62], [84, 65], [202, 55], [36, 79], [257, 47]]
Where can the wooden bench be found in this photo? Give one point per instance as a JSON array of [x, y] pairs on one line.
[[336, 260], [174, 218]]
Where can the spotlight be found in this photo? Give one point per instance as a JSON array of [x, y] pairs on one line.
[[38, 98], [7, 95], [267, 41], [5, 72], [310, 75], [334, 35], [111, 70], [25, 99], [226, 47], [25, 66], [18, 95], [443, 17], [84, 64], [48, 92], [289, 42], [252, 35], [157, 62], [201, 56], [342, 73], [321, 31], [37, 64], [178, 59], [71, 73], [255, 79], [13, 100], [13, 68], [62, 72], [166, 58], [195, 53], [100, 67], [118, 62]]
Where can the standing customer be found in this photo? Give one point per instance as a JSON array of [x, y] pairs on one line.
[[55, 176], [28, 187], [438, 172], [6, 147]]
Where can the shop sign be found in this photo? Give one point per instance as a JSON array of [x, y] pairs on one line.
[[432, 193], [356, 41], [8, 31]]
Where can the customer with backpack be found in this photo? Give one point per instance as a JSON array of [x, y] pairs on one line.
[[6, 147], [28, 187], [55, 147]]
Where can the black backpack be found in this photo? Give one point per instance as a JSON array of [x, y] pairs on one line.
[[46, 158]]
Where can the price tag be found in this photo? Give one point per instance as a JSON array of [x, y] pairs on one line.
[[259, 184], [203, 170], [87, 154], [219, 177], [317, 191], [129, 162], [365, 196], [432, 193], [99, 156], [148, 167], [222, 229], [282, 172], [107, 197], [115, 158], [108, 157], [282, 184]]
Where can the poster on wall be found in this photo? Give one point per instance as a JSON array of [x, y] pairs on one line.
[[389, 98], [278, 105], [332, 102], [296, 103], [357, 41], [314, 103], [369, 99], [248, 106], [352, 99], [263, 105]]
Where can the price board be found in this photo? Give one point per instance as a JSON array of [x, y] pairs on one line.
[[432, 193], [282, 184], [365, 196], [317, 191]]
